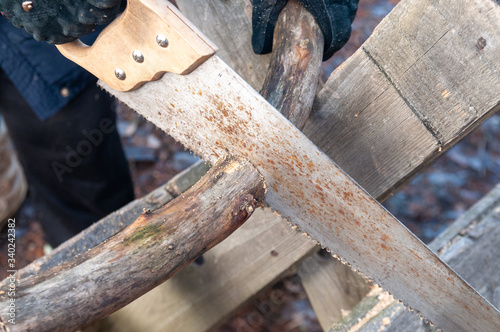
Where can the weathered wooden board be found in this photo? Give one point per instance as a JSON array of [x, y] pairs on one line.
[[363, 124], [227, 24], [425, 64], [430, 56], [339, 290], [469, 245], [453, 71]]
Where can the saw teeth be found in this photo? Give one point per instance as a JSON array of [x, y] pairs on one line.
[[368, 279]]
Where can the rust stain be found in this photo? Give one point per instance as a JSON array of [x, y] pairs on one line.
[[310, 166], [348, 195], [384, 246], [416, 255], [297, 162]]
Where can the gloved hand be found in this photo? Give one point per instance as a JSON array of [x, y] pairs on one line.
[[59, 21], [334, 18]]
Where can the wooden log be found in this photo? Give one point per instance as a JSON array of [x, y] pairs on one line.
[[468, 246], [293, 74], [110, 225], [202, 296], [152, 249]]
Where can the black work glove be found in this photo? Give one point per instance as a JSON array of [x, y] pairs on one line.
[[334, 18], [59, 21]]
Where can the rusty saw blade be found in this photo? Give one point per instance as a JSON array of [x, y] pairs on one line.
[[214, 112]]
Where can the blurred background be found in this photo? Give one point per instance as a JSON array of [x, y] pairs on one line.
[[427, 204]]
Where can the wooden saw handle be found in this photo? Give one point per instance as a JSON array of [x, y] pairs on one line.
[[150, 38]]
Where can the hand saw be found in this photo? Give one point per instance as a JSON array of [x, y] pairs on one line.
[[155, 61]]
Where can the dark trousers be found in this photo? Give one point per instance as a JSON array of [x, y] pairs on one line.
[[74, 163]]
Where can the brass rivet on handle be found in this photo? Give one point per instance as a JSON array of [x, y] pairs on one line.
[[162, 40], [27, 6], [120, 74]]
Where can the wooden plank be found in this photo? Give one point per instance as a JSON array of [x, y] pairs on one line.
[[361, 122], [434, 61], [228, 25], [429, 62], [469, 246], [332, 287], [406, 58], [150, 250]]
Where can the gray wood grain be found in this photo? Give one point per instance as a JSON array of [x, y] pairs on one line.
[[417, 85], [228, 25]]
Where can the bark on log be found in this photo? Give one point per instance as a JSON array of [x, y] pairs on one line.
[[293, 73], [146, 253]]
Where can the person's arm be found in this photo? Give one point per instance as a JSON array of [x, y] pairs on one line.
[[60, 21]]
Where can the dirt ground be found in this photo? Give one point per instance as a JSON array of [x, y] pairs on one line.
[[427, 205]]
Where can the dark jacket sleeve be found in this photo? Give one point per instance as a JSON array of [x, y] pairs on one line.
[[46, 79]]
